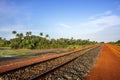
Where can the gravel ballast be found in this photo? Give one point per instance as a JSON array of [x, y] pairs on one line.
[[78, 69], [30, 71]]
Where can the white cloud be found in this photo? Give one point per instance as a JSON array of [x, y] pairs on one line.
[[88, 29], [101, 23], [108, 12], [65, 25], [95, 24], [101, 14], [100, 28]]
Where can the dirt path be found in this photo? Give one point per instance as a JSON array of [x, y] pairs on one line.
[[107, 67]]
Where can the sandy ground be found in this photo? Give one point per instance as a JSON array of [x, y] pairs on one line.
[[108, 65]]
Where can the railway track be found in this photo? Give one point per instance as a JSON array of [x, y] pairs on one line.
[[37, 70], [74, 69]]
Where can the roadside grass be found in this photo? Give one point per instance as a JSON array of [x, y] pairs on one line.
[[5, 48], [16, 53], [76, 46], [8, 52], [23, 52]]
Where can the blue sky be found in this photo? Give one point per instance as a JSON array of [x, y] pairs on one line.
[[97, 20]]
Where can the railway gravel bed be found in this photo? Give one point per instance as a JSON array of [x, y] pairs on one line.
[[76, 70], [28, 72]]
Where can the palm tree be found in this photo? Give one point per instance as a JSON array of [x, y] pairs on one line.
[[21, 35], [17, 35], [0, 38], [41, 34], [28, 33], [46, 35], [14, 32]]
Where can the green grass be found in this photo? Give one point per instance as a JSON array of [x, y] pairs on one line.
[[15, 53], [4, 48], [6, 51], [75, 46]]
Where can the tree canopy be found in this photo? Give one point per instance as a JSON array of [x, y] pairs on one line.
[[30, 41]]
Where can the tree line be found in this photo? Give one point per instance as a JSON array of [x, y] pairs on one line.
[[30, 41], [116, 42]]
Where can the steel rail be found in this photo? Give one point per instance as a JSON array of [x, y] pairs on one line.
[[48, 71], [57, 67]]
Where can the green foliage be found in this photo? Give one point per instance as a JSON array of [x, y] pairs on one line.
[[30, 41], [4, 43], [116, 43]]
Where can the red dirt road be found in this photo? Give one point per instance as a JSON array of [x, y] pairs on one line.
[[108, 65]]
